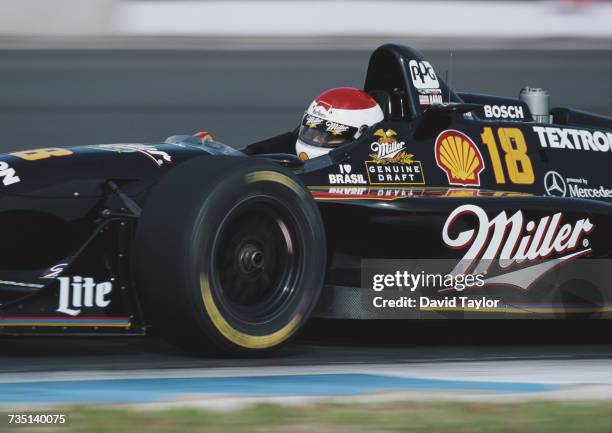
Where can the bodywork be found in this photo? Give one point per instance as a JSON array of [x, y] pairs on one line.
[[453, 178]]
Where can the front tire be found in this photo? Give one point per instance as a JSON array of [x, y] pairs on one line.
[[229, 255]]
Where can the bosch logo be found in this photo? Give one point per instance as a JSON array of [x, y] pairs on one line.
[[503, 111]]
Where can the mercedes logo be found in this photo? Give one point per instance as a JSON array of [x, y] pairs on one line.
[[554, 184]]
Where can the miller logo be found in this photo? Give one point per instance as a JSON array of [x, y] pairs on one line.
[[391, 164], [532, 247], [336, 128], [312, 121], [459, 157]]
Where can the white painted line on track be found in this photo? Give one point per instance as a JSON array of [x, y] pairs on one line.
[[553, 372]]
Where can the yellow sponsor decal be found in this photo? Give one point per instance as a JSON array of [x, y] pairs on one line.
[[459, 157], [391, 164], [36, 154], [518, 163], [238, 337]]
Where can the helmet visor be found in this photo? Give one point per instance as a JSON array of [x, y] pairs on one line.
[[317, 131]]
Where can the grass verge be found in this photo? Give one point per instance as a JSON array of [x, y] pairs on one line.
[[431, 417]]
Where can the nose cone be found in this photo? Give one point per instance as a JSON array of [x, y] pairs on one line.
[[82, 170]]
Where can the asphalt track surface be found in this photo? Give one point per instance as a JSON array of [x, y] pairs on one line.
[[67, 97], [329, 342], [365, 361]]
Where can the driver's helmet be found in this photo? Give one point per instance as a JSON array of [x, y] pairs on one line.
[[336, 117]]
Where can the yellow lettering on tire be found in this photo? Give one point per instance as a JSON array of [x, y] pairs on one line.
[[273, 176], [238, 337]]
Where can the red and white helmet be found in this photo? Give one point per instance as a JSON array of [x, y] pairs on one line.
[[337, 116]]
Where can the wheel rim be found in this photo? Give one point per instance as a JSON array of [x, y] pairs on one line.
[[256, 261]]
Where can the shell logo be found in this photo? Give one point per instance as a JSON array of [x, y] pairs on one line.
[[459, 157]]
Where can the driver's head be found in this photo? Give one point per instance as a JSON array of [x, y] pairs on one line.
[[336, 117]]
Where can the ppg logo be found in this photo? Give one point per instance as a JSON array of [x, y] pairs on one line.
[[423, 75]]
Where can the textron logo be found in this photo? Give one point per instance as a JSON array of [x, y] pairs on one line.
[[511, 240], [554, 184]]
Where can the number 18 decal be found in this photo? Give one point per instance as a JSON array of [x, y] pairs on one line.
[[518, 163]]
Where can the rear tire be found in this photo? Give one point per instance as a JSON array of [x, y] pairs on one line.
[[229, 255]]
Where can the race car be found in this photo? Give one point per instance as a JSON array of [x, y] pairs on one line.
[[505, 203]]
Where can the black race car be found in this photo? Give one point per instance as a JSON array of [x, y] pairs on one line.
[[235, 249]]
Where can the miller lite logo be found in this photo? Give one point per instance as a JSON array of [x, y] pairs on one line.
[[512, 241], [78, 292], [459, 157]]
